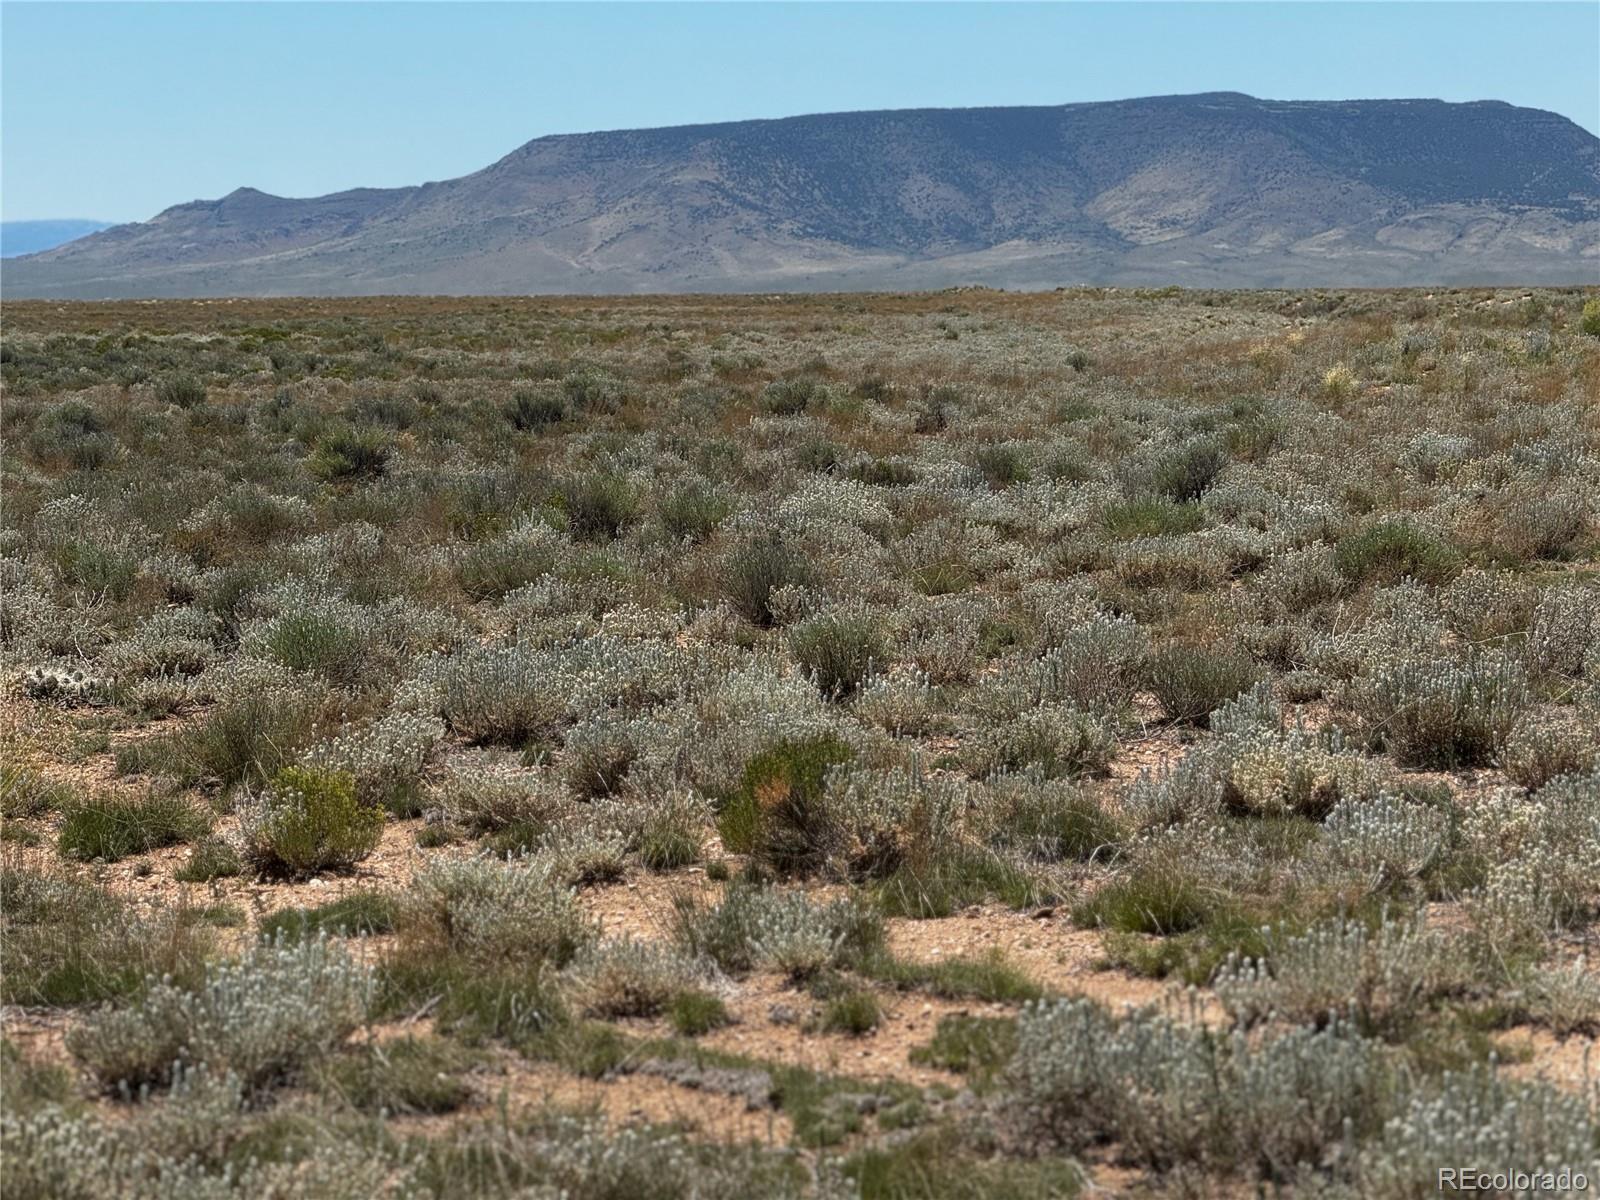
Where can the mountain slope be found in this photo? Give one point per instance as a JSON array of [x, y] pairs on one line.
[[1214, 189]]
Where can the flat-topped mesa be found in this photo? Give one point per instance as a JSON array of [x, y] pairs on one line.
[[1215, 189]]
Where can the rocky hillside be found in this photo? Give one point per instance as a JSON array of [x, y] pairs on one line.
[[1217, 190]]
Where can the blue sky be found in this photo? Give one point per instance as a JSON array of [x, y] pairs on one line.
[[117, 111]]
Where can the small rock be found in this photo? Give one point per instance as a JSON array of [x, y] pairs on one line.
[[782, 1014]]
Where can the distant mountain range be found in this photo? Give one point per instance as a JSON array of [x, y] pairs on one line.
[[1217, 189], [29, 237]]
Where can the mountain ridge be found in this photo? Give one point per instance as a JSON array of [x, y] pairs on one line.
[[1213, 189]]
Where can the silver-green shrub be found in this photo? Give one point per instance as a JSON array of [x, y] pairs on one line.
[[1384, 841], [1382, 977], [1477, 1119], [259, 1018], [495, 911]]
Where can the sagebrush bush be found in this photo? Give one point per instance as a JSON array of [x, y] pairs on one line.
[[1171, 1093], [353, 454], [1190, 681], [1540, 748], [1381, 978], [535, 408], [308, 820], [185, 391], [754, 927], [838, 650], [753, 571], [260, 1018], [1386, 841], [1479, 1116], [1443, 712], [623, 977], [598, 506], [1390, 551], [496, 911], [693, 511], [1052, 740]]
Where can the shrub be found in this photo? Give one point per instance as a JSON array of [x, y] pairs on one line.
[[492, 569], [72, 431], [1440, 712], [211, 858], [494, 912], [1051, 740], [385, 758], [488, 799], [1386, 841], [1152, 898], [753, 571], [1151, 517], [1564, 997], [623, 977], [1183, 474], [318, 638], [902, 704], [1051, 822], [753, 927], [185, 391], [1565, 626], [694, 1012], [1478, 1116], [693, 511], [1391, 551], [1172, 1093], [1002, 463], [779, 813], [111, 827], [838, 650], [502, 694], [352, 454], [530, 409], [1383, 978], [856, 1013], [261, 1018], [68, 942], [307, 821], [1590, 321], [1190, 681], [672, 832], [790, 397], [971, 1045], [253, 731], [589, 389], [598, 505], [1095, 664], [402, 1076], [1538, 749], [597, 755]]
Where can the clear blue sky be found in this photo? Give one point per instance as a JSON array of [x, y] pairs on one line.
[[117, 111]]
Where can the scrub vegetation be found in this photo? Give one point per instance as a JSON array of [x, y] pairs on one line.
[[899, 747]]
